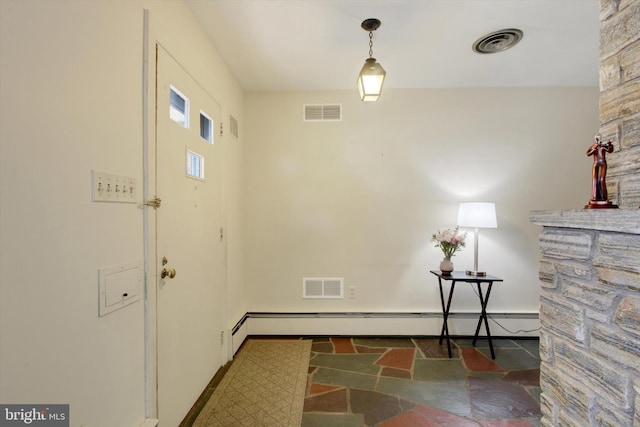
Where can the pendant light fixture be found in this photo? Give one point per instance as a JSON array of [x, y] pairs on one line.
[[372, 74]]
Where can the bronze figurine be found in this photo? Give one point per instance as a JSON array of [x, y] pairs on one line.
[[599, 196]]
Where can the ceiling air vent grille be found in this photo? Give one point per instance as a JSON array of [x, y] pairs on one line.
[[322, 112], [233, 126], [323, 287]]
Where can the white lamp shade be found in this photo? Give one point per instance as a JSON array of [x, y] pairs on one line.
[[477, 215], [370, 80]]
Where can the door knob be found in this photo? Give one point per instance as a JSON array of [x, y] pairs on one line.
[[168, 272]]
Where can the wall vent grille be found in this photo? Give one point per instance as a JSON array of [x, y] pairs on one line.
[[322, 112], [233, 126], [323, 287]]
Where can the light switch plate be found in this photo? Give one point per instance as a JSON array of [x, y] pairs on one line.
[[113, 188]]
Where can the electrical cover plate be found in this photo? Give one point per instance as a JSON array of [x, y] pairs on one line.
[[112, 188], [119, 286]]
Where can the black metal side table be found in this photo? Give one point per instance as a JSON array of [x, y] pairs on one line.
[[461, 276]]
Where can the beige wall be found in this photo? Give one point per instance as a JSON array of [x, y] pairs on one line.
[[360, 198], [357, 199], [71, 101]]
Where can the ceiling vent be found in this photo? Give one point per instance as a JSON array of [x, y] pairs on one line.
[[322, 112], [497, 41], [322, 287]]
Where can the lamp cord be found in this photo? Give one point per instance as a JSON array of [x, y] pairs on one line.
[[498, 323], [512, 332], [370, 44]]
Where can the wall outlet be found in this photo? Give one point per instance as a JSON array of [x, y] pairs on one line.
[[352, 292], [113, 188]]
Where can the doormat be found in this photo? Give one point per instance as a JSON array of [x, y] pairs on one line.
[[265, 386]]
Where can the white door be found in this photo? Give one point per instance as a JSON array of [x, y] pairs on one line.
[[188, 240]]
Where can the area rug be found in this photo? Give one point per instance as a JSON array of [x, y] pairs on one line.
[[265, 386]]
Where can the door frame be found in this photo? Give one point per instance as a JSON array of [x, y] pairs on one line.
[[154, 33], [149, 218]]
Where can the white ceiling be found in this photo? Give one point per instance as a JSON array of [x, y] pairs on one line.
[[319, 44]]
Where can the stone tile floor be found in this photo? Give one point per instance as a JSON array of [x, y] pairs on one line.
[[407, 382]]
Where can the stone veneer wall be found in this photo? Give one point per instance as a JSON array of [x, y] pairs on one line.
[[590, 267], [590, 317], [620, 97]]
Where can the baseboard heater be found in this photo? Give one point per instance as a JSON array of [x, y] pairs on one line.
[[380, 315]]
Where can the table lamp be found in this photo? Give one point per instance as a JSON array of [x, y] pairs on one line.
[[477, 215]]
